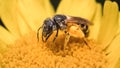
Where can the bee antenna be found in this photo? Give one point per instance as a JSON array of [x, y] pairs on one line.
[[38, 33]]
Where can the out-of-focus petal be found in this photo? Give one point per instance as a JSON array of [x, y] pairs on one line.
[[8, 15], [119, 18], [94, 29], [109, 25], [114, 51], [18, 15], [117, 64], [35, 11], [80, 8], [119, 23], [6, 37], [22, 24]]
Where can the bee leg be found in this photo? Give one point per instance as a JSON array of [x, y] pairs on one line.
[[38, 33], [87, 44], [46, 37], [67, 37], [56, 35]]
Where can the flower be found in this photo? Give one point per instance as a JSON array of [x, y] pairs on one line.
[[19, 46]]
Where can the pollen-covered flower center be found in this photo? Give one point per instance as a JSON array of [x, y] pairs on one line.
[[28, 52]]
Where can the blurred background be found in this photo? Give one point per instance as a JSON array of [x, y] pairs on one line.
[[56, 2]]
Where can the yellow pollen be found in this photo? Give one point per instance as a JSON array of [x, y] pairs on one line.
[[27, 52]]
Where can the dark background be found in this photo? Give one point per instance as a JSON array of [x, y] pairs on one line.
[[56, 2]]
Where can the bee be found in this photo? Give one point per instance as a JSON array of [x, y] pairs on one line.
[[62, 22]]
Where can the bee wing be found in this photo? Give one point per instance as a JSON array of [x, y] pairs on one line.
[[78, 20]]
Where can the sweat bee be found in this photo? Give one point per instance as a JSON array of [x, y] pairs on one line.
[[62, 22]]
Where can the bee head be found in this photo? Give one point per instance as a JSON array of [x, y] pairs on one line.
[[47, 28]]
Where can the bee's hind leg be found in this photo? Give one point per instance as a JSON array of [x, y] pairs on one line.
[[67, 37], [86, 42]]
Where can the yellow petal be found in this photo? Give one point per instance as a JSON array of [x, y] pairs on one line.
[[8, 15], [117, 65], [114, 51], [119, 23], [22, 24], [119, 18], [35, 11], [15, 13], [94, 29], [80, 8], [48, 8], [6, 37], [109, 24]]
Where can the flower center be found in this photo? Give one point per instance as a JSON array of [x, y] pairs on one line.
[[28, 52]]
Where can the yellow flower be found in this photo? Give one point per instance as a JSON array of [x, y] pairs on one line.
[[19, 46]]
